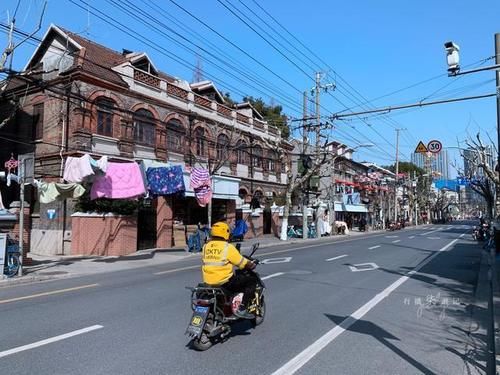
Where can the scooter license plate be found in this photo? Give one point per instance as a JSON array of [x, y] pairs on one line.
[[197, 321]]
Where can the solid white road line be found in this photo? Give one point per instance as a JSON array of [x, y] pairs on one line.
[[48, 293], [308, 353], [340, 256], [396, 241], [373, 247], [272, 275], [49, 341]]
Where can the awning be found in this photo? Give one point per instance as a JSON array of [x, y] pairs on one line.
[[223, 187], [340, 207]]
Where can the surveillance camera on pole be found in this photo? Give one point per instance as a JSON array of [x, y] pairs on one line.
[[452, 58]]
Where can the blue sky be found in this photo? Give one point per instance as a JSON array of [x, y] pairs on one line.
[[374, 47]]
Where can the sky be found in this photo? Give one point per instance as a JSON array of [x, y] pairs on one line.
[[375, 53]]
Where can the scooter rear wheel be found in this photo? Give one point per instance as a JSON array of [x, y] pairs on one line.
[[260, 315], [203, 343]]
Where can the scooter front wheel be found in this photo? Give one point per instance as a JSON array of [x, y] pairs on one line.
[[202, 343]]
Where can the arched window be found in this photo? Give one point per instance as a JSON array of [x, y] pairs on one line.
[[144, 127], [242, 152], [175, 136], [200, 141], [257, 156], [105, 108], [222, 147]]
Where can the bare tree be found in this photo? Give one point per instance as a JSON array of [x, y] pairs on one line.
[[219, 153], [486, 184]]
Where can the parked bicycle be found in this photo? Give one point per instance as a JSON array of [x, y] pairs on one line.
[[294, 232], [11, 266]]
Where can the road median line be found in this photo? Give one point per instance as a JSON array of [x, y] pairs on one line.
[[48, 293]]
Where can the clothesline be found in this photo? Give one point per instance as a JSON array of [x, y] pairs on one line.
[[120, 180]]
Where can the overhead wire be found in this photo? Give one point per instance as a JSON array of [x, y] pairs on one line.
[[127, 30], [341, 91]]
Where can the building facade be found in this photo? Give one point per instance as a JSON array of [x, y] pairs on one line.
[[77, 97]]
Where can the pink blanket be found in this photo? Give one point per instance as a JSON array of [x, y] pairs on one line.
[[121, 181]]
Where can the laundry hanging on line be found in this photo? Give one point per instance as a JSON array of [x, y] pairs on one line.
[[79, 169], [201, 183], [165, 181], [49, 192], [121, 181]]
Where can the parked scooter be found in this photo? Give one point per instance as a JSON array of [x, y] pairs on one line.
[[214, 307]]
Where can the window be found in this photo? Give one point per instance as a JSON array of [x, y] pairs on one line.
[[105, 109], [257, 157], [38, 121], [242, 152], [199, 136], [271, 161], [175, 136], [144, 127], [222, 148]]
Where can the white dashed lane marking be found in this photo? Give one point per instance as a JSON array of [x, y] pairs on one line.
[[334, 258], [374, 247], [272, 275]]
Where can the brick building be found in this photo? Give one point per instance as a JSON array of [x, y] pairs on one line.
[[77, 97]]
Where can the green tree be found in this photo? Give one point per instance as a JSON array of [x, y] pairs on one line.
[[271, 113], [405, 167]]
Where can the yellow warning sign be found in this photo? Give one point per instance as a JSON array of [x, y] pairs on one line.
[[421, 149]]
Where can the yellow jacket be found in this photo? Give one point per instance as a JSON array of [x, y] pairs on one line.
[[218, 258]]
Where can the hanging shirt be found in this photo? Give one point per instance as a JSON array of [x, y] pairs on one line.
[[165, 181], [121, 181], [52, 191]]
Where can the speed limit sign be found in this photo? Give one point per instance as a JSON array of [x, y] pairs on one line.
[[434, 146]]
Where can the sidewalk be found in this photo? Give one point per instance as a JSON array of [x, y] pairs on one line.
[[56, 267]]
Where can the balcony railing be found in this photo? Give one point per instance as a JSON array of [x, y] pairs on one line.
[[146, 78], [202, 101], [177, 91]]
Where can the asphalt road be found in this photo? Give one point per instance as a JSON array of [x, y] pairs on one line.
[[391, 303]]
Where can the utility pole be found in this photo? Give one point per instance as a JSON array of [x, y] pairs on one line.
[[497, 74], [396, 183], [305, 190]]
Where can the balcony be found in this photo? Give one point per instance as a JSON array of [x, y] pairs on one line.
[[202, 101], [146, 78]]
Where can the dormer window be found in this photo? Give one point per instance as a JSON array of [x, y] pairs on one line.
[[145, 72]]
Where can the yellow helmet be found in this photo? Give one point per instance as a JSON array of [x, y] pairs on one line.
[[220, 229]]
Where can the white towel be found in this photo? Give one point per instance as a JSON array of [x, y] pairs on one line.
[[77, 169]]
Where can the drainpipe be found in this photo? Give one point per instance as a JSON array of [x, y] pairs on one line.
[[64, 147]]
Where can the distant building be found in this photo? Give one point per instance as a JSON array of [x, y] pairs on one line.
[[438, 162]]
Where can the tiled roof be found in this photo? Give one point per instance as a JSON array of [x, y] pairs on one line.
[[98, 60]]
